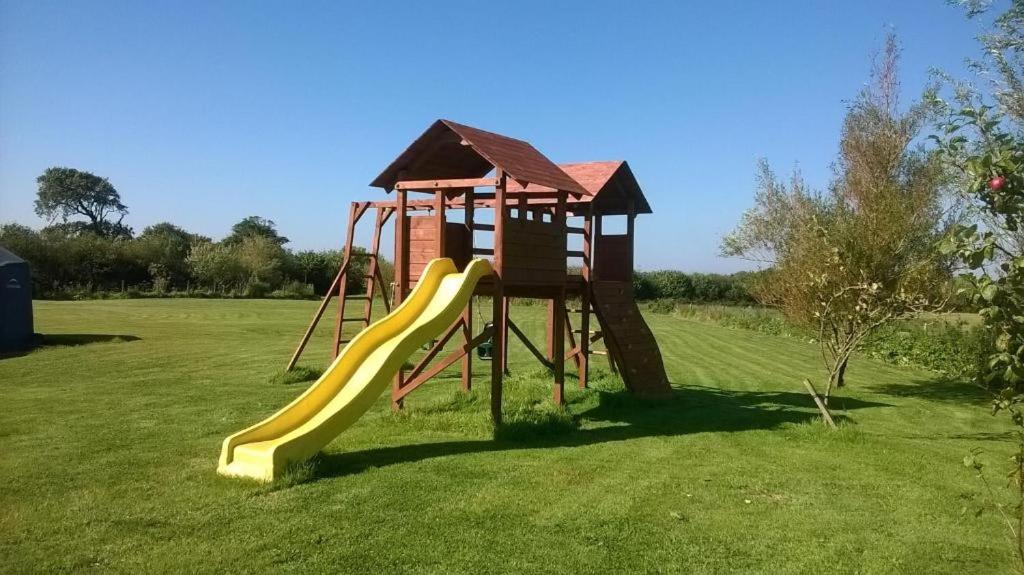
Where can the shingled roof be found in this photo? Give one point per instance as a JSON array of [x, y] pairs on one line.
[[449, 150], [610, 185]]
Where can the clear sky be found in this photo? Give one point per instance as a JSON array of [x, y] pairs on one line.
[[202, 113]]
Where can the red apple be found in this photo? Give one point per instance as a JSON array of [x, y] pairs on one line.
[[997, 183]]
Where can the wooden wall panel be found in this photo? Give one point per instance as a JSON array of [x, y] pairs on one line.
[[534, 252], [423, 244], [613, 258]]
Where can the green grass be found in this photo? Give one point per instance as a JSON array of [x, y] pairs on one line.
[[109, 437]]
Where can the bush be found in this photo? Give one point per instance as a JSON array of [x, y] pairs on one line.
[[759, 319], [662, 306], [256, 289], [955, 349], [293, 290], [696, 288]]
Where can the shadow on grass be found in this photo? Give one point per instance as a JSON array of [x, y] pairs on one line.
[[76, 339], [618, 416], [69, 340], [937, 389]]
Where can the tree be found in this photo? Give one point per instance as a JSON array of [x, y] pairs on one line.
[[985, 144], [1002, 67], [162, 249], [215, 265], [851, 260], [261, 257], [65, 193], [254, 226]]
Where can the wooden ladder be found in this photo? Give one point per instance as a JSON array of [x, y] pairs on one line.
[[373, 276], [594, 336]]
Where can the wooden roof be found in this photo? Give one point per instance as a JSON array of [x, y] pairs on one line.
[[449, 150], [610, 185]]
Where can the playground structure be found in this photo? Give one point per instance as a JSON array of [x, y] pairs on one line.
[[525, 209], [529, 251]]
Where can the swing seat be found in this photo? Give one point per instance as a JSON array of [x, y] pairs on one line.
[[485, 350]]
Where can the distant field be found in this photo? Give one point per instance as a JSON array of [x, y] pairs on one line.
[[110, 442]]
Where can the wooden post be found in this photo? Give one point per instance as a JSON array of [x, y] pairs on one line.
[[630, 227], [467, 314], [551, 330], [504, 336], [401, 278], [401, 248], [595, 274], [558, 353], [373, 265], [588, 254], [498, 302], [558, 319], [346, 263], [440, 222], [821, 405]]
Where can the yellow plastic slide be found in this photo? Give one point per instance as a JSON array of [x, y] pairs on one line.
[[363, 370]]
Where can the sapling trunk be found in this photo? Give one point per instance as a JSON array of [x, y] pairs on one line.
[[836, 375]]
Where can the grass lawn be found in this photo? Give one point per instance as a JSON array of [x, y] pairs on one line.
[[109, 444]]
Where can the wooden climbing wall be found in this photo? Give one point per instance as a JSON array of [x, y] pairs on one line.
[[629, 339]]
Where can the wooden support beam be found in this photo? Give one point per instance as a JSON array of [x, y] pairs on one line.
[[630, 230], [558, 393], [467, 314], [401, 276], [498, 298], [583, 363], [821, 405], [439, 224], [550, 330], [505, 319], [435, 349], [529, 344], [431, 185], [531, 196], [398, 394], [374, 267]]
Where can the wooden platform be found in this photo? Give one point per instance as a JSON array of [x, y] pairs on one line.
[[629, 339]]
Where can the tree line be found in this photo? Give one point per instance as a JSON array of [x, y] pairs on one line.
[[86, 250], [76, 262]]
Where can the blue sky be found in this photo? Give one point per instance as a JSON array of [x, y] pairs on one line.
[[202, 113]]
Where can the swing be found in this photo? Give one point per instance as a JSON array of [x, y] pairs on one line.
[[485, 350]]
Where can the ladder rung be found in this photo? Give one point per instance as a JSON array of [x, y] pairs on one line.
[[343, 341], [363, 297], [483, 251], [575, 230], [575, 254], [598, 352], [362, 319], [484, 227], [591, 331]]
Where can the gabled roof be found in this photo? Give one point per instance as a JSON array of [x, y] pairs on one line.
[[8, 257], [449, 150], [610, 185]]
